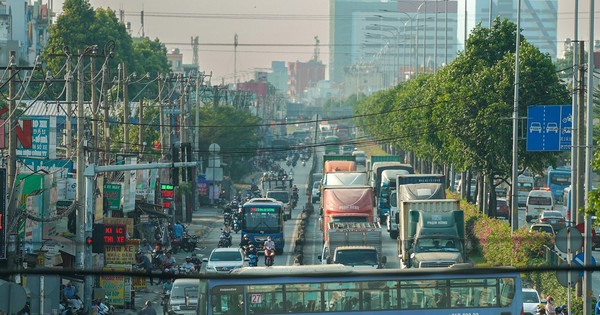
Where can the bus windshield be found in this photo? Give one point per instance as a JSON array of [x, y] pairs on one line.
[[265, 219]]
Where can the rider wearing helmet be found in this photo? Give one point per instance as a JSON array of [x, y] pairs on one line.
[[269, 244], [245, 241], [251, 250], [188, 266]]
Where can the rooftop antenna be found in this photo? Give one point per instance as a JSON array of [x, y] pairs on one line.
[[317, 50]]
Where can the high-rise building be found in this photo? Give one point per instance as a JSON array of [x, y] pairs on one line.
[[303, 75], [539, 20], [341, 27]]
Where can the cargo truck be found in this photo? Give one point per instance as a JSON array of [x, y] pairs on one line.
[[432, 234], [382, 158], [346, 204], [354, 244], [412, 187], [388, 184]]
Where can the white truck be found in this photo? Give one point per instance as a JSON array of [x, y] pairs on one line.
[[355, 244], [432, 233]]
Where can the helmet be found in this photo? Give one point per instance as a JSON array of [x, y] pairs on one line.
[[245, 235], [251, 246]]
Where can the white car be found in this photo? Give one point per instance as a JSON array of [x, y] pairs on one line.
[[531, 300], [224, 260]]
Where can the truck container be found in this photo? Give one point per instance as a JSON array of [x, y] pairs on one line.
[[418, 191], [432, 233], [382, 158], [337, 166], [346, 204], [354, 244], [345, 179], [388, 184], [284, 196]]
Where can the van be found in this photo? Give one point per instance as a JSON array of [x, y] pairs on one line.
[[184, 296], [538, 201]]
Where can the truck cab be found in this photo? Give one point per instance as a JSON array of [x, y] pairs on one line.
[[429, 252], [363, 257]]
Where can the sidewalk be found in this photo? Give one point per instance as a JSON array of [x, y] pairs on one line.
[[203, 220]]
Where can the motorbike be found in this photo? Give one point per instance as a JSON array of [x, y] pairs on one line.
[[303, 163], [225, 239], [102, 309], [227, 218], [71, 307], [189, 243], [269, 257], [252, 260], [236, 225], [165, 302], [157, 258]]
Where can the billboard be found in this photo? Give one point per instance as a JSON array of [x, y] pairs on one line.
[[36, 137]]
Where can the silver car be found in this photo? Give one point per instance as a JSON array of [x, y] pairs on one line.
[[224, 260]]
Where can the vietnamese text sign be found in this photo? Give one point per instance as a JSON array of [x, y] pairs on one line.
[[120, 254], [112, 194], [114, 287], [36, 137]]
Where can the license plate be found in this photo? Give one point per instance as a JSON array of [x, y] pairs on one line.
[[553, 221]]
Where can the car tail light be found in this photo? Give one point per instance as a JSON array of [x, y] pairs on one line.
[[544, 220]]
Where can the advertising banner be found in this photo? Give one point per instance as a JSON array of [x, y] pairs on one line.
[[120, 254], [112, 195]]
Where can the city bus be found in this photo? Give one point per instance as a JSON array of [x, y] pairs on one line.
[[337, 289], [262, 217], [558, 179], [332, 145]]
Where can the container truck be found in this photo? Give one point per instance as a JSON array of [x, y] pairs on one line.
[[346, 204], [432, 233], [354, 244], [382, 158], [412, 187], [388, 184]]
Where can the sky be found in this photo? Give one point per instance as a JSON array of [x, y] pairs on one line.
[[267, 30]]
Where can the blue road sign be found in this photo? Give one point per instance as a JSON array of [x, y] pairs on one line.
[[578, 260], [549, 128]]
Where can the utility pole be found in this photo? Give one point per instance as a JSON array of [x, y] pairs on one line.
[[125, 109], [69, 98], [83, 256], [12, 148], [161, 118], [94, 96], [580, 197], [106, 114], [141, 128], [182, 140]]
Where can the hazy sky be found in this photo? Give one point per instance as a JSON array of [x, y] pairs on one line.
[[271, 29]]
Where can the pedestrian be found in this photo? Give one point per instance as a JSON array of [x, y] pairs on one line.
[[597, 308], [144, 262], [550, 308], [178, 230], [69, 291], [148, 309]]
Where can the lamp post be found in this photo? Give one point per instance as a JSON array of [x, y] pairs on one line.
[[394, 36], [417, 42]]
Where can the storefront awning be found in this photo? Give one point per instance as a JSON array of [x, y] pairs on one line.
[[150, 209]]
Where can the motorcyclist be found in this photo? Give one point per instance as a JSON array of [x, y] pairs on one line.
[[169, 262], [251, 250], [188, 266], [245, 241], [550, 308], [196, 261], [269, 244]]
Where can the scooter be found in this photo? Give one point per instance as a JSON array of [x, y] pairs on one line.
[[252, 260], [269, 257], [224, 239], [236, 225]]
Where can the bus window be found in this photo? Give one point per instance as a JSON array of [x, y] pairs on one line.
[[265, 299], [307, 293]]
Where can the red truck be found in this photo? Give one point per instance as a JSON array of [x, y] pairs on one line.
[[346, 204]]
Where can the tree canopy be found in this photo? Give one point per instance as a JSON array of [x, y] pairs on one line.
[[463, 113]]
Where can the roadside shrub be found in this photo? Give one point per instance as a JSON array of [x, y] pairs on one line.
[[493, 237]]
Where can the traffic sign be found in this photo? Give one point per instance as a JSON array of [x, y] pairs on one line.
[[562, 276], [549, 128], [579, 261], [569, 235], [13, 299]]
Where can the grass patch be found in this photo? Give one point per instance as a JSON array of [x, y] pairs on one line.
[[372, 149]]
